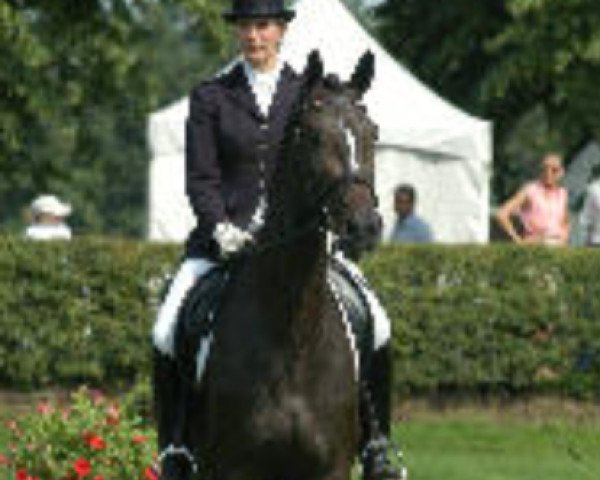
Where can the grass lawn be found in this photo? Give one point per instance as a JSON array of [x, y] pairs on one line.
[[487, 444], [543, 440]]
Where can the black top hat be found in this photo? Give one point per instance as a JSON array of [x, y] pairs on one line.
[[258, 9]]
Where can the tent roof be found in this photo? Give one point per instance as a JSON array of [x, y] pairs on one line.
[[409, 115]]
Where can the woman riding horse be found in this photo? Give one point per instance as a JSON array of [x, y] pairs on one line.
[[234, 137]]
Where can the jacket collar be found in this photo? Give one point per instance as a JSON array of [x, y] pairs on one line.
[[239, 90]]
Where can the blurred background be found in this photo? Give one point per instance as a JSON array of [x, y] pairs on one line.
[[79, 79]]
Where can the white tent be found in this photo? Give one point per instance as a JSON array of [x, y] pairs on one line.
[[443, 152]]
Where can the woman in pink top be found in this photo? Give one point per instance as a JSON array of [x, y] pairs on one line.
[[542, 206]]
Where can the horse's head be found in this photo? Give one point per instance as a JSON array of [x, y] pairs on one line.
[[339, 151]]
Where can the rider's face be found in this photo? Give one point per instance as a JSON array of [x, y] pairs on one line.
[[259, 41]]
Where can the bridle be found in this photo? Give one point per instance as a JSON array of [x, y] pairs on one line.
[[325, 194]]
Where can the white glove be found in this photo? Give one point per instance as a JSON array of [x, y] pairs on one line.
[[230, 238]]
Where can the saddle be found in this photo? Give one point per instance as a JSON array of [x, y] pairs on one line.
[[357, 310], [197, 316], [201, 306]]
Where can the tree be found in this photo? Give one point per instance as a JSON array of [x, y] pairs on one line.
[[506, 60], [80, 79]]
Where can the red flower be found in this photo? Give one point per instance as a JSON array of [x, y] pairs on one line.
[[4, 460], [150, 474], [97, 397], [98, 477], [138, 439], [82, 467], [113, 414], [44, 408], [95, 442], [21, 474], [13, 426]]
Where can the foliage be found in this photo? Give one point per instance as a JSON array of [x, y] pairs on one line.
[[93, 437], [503, 59], [80, 311], [78, 81], [492, 319], [472, 319]]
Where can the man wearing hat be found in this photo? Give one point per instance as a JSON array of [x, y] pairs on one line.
[[234, 134], [48, 219]]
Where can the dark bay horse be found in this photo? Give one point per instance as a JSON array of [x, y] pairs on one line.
[[279, 397]]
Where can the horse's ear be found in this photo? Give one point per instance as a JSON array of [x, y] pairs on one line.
[[313, 71], [363, 73]]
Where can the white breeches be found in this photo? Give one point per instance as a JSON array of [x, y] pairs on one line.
[[191, 269], [163, 333]]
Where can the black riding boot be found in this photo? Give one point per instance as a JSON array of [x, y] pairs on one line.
[[375, 415], [170, 396]]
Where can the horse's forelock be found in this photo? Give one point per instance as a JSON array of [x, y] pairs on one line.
[[332, 82]]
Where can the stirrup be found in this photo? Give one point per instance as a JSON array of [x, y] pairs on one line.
[[376, 463], [182, 451]]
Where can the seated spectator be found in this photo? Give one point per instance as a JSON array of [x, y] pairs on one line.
[[409, 227], [590, 215], [48, 219], [541, 205]]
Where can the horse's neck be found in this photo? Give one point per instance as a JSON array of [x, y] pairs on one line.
[[292, 268], [292, 284]]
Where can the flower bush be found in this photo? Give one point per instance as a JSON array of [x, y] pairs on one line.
[[92, 438]]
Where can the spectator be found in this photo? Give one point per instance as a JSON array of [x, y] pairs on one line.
[[590, 215], [409, 227], [48, 219], [542, 206]]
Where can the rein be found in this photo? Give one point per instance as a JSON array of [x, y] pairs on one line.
[[317, 219]]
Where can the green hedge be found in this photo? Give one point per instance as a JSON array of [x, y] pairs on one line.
[[500, 318], [78, 311]]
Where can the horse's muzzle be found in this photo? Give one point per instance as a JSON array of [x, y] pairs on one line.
[[363, 234]]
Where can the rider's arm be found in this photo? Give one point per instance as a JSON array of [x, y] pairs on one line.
[[202, 167], [507, 210]]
